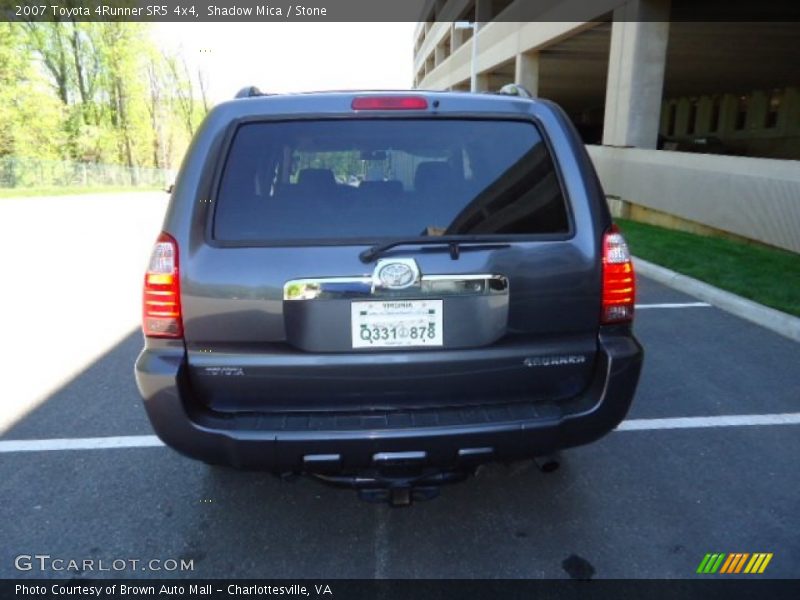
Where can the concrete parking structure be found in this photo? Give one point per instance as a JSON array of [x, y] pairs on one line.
[[640, 75]]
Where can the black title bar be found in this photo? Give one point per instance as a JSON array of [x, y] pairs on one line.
[[380, 10]]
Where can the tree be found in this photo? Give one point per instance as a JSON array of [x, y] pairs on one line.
[[99, 92], [181, 90], [87, 68], [30, 116], [49, 41], [202, 82]]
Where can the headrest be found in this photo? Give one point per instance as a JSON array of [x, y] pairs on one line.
[[391, 187], [316, 177]]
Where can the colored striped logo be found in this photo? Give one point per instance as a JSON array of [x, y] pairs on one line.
[[737, 562]]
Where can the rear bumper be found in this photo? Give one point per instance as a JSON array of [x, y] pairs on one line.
[[447, 438]]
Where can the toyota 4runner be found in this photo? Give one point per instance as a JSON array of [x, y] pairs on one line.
[[386, 289]]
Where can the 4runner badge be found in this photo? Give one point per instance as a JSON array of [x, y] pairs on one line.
[[554, 361]]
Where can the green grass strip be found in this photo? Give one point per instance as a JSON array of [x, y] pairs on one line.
[[765, 275], [24, 192]]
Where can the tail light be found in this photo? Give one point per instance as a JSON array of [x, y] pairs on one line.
[[161, 314], [619, 285]]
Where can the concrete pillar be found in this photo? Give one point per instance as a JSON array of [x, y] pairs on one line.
[[526, 71], [759, 102], [789, 117], [438, 55], [704, 109], [682, 117], [456, 38], [727, 117], [636, 62]]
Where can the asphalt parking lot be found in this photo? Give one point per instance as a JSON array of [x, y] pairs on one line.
[[647, 501]]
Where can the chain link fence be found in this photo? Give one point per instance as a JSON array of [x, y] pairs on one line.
[[18, 172]]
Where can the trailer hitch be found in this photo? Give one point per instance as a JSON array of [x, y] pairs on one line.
[[397, 488]]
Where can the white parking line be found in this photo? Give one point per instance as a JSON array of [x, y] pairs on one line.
[[151, 441], [96, 443], [675, 305], [705, 422]]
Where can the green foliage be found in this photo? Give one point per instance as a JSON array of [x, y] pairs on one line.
[[30, 117], [344, 163], [93, 92], [766, 275]]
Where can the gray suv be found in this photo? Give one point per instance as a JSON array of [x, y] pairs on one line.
[[386, 289]]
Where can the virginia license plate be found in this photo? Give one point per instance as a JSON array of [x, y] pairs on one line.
[[396, 323]]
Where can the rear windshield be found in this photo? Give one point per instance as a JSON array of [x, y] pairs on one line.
[[384, 178]]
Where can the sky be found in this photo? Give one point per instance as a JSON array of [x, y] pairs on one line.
[[294, 57]]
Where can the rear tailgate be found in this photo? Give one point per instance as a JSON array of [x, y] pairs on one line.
[[281, 313]]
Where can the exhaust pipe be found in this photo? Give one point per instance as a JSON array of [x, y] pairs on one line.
[[547, 463]]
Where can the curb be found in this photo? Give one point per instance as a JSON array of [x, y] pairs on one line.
[[774, 320]]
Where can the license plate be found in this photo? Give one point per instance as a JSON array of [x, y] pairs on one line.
[[396, 323]]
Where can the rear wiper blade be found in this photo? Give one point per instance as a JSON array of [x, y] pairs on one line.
[[455, 246]]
